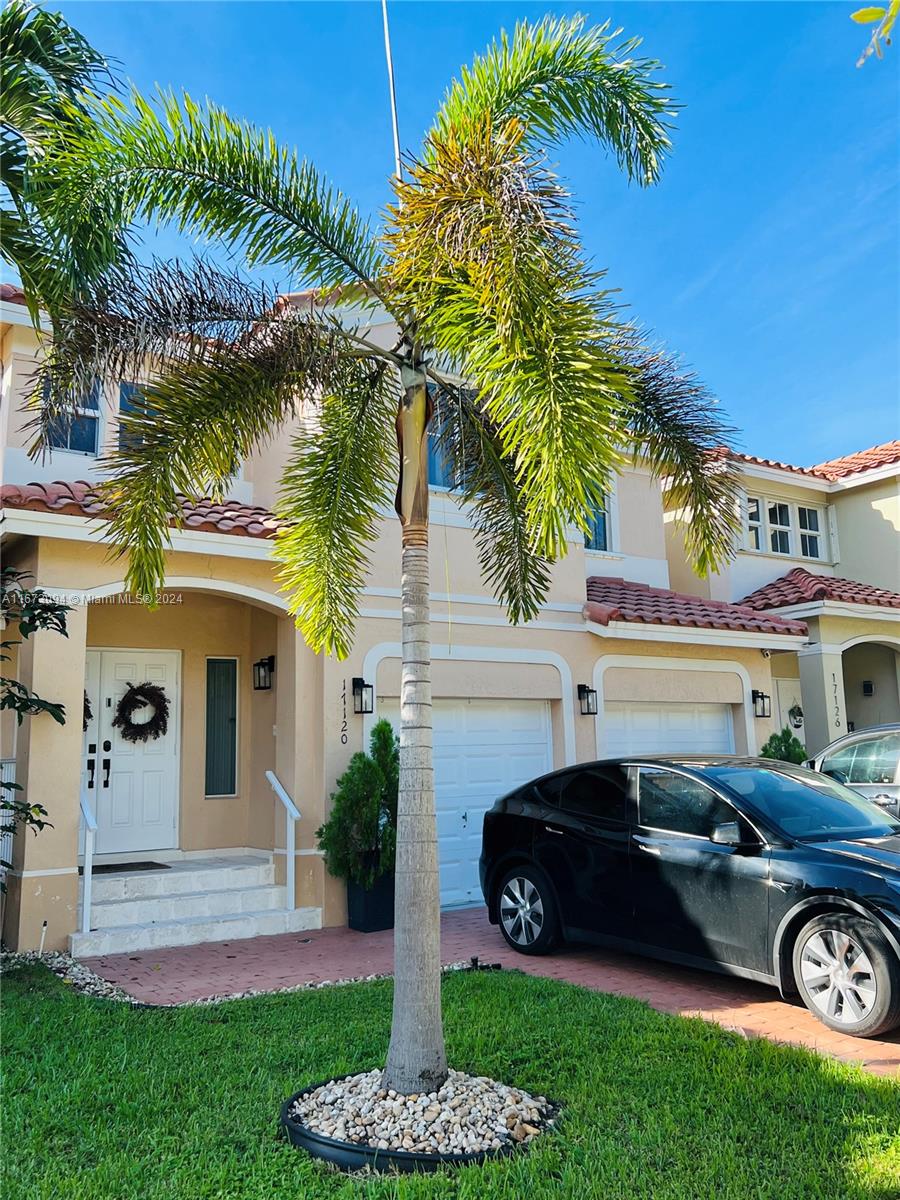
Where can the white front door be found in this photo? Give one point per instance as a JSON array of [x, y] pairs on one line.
[[666, 729], [132, 787], [482, 750]]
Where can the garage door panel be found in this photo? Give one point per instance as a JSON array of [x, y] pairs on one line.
[[482, 749], [641, 728]]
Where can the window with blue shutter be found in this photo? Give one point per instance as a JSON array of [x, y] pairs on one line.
[[221, 727]]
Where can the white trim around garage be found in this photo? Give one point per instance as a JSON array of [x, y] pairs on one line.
[[495, 654], [628, 661]]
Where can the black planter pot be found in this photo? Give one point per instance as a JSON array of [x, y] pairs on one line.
[[371, 909], [351, 1156]]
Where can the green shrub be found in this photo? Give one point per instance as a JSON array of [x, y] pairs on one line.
[[786, 747], [359, 838]]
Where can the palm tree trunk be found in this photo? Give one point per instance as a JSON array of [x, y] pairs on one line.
[[416, 1060]]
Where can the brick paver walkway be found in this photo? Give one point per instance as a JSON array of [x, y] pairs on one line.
[[267, 963]]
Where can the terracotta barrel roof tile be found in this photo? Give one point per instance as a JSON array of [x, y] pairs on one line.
[[610, 599], [800, 586], [80, 500]]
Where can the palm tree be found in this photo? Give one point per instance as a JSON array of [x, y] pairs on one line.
[[508, 353], [48, 70]]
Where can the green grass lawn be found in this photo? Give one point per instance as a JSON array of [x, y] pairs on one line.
[[102, 1100]]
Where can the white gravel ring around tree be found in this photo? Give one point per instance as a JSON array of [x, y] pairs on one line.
[[470, 1114]]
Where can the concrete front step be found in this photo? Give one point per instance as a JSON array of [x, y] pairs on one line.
[[194, 875], [190, 931], [150, 910]]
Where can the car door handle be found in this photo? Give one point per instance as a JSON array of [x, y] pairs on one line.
[[550, 829], [648, 849]]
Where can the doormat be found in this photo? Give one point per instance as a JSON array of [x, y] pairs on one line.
[[110, 868]]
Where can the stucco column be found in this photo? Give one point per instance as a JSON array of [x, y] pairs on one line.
[[299, 748], [822, 689], [43, 885]]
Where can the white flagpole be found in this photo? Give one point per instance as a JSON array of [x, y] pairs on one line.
[[390, 71]]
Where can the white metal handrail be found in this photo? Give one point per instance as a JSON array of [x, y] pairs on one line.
[[7, 775], [90, 829], [291, 817]]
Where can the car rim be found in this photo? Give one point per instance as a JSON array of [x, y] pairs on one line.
[[838, 976], [521, 911]]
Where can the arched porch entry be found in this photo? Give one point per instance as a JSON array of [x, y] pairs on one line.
[[192, 840], [871, 678]]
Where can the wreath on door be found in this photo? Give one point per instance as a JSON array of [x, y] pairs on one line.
[[138, 696]]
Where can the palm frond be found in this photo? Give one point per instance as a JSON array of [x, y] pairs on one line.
[[561, 80], [222, 179], [676, 428], [340, 476], [484, 480], [484, 251], [201, 417]]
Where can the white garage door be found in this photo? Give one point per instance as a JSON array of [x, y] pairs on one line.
[[482, 749], [667, 729]]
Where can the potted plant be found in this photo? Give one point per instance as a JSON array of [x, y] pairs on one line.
[[784, 746], [359, 838]]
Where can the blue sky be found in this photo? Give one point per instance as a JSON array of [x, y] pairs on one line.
[[769, 254]]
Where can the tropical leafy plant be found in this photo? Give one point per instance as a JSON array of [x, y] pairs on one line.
[[359, 839], [48, 71], [884, 20], [29, 610], [785, 746], [508, 350]]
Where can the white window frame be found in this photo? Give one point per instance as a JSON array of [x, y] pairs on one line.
[[818, 533], [777, 527], [81, 410], [793, 529], [612, 523]]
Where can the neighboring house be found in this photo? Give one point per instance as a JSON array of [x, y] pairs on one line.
[[821, 545], [665, 669]]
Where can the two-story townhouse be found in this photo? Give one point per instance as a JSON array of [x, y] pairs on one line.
[[820, 544], [616, 662]]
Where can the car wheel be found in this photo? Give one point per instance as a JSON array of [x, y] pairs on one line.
[[527, 910], [848, 975]]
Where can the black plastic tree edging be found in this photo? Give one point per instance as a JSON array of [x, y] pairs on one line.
[[355, 1156]]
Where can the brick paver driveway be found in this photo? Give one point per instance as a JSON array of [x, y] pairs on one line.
[[267, 963]]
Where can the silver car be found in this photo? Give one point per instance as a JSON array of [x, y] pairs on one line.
[[867, 760]]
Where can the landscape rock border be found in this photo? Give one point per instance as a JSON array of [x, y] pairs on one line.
[[88, 983], [354, 1156]]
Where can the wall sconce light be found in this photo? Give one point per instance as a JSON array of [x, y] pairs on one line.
[[262, 674], [587, 699], [762, 704], [363, 696], [868, 687]]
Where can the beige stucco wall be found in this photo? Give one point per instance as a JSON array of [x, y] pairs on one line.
[[869, 533], [306, 726], [881, 666]]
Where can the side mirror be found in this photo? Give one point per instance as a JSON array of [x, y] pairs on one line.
[[727, 834]]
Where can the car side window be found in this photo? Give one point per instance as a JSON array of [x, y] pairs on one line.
[[599, 792], [871, 761], [678, 804]]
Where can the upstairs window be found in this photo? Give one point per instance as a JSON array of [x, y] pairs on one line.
[[808, 520], [80, 432], [780, 527], [597, 535], [129, 402], [439, 470], [754, 523]]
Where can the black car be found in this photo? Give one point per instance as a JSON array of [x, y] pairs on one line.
[[743, 865]]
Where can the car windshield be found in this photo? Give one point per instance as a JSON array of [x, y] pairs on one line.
[[806, 806]]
